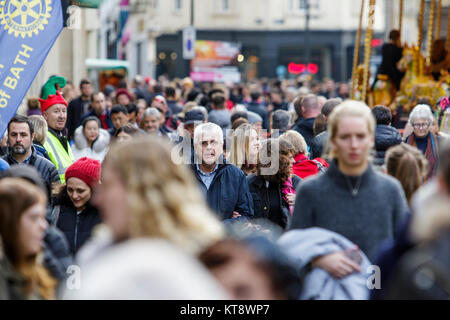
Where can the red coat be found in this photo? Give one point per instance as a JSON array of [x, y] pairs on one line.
[[304, 167]]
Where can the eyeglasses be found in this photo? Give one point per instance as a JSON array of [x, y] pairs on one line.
[[421, 125]]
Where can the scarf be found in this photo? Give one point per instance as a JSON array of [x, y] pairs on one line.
[[288, 187], [431, 152]]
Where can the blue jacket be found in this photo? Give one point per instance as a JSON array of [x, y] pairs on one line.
[[228, 191], [3, 165]]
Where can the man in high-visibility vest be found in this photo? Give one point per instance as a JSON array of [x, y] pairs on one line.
[[54, 110]]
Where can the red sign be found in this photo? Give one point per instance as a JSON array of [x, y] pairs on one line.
[[297, 68]]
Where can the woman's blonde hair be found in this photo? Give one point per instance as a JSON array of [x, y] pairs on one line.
[[297, 141], [163, 199], [240, 145], [40, 128], [16, 197], [348, 108]]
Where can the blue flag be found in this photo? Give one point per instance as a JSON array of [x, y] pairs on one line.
[[28, 30]]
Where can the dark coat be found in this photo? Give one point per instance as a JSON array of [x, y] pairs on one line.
[[40, 151], [385, 137], [262, 111], [57, 255], [228, 192], [74, 113], [261, 201], [77, 228], [391, 54], [318, 144], [306, 128], [46, 168]]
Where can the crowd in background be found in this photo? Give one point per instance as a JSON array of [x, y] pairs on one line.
[[264, 190]]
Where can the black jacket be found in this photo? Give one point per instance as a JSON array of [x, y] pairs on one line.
[[46, 168], [318, 144], [74, 113], [77, 228], [57, 255], [228, 191], [305, 128], [385, 137], [262, 203], [261, 110]]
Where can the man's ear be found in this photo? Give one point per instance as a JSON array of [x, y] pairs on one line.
[[32, 138]]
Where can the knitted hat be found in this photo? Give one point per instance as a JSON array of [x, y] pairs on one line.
[[52, 100], [125, 92], [86, 169]]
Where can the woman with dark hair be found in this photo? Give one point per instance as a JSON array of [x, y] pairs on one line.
[[91, 140], [22, 231], [273, 187], [126, 133], [75, 216], [408, 165]]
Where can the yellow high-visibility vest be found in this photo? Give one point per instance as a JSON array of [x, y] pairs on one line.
[[59, 156]]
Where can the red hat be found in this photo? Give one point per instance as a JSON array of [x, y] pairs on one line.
[[52, 99], [125, 92], [86, 169]]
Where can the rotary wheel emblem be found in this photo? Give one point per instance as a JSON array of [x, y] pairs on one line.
[[24, 17]]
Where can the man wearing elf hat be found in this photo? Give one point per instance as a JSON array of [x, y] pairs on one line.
[[54, 110]]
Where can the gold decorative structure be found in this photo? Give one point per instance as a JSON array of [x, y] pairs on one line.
[[356, 53], [368, 49], [420, 25], [430, 33], [400, 18], [437, 32]]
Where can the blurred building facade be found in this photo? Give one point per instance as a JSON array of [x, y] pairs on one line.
[[271, 32]]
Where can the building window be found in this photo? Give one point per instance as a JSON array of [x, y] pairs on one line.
[[301, 5], [178, 4], [154, 4]]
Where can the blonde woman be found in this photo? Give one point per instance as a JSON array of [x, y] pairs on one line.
[[40, 135], [144, 194], [146, 198], [244, 148]]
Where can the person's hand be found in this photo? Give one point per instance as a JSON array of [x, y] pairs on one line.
[[290, 197], [270, 108], [337, 264], [235, 214]]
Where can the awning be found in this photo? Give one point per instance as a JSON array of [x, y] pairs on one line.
[[86, 3], [107, 64]]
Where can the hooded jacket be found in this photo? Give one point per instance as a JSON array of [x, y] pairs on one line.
[[98, 149], [385, 137], [228, 191]]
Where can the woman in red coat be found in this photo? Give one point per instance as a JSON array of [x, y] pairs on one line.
[[303, 166]]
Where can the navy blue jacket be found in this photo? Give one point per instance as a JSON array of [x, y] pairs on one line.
[[228, 192], [305, 128], [77, 228]]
